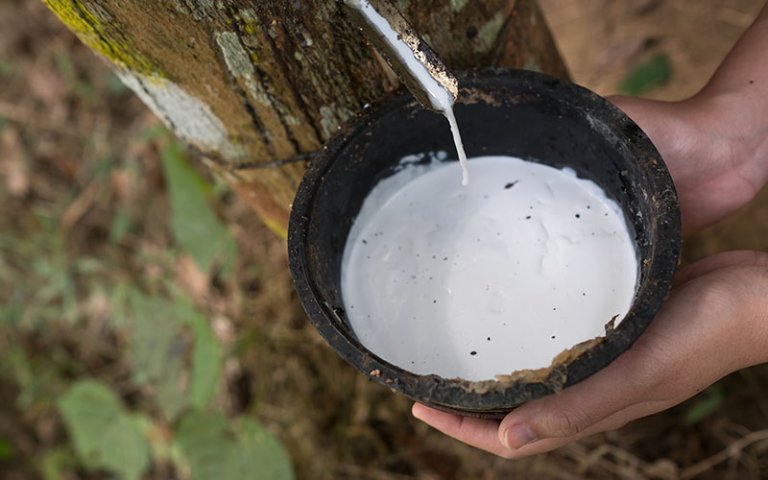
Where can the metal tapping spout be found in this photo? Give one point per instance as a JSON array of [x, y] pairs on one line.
[[417, 65]]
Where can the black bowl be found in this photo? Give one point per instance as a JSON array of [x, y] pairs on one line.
[[556, 123]]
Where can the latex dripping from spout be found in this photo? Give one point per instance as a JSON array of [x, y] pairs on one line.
[[420, 69]]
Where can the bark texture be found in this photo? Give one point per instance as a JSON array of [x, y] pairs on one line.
[[258, 86]]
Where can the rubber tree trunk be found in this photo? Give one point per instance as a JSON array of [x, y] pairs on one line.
[[257, 86]]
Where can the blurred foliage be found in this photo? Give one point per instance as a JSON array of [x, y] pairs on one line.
[[6, 68], [195, 226], [654, 73], [705, 404], [162, 338], [216, 448], [168, 351], [104, 434]]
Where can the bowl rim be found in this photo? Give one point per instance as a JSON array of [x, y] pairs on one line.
[[493, 398]]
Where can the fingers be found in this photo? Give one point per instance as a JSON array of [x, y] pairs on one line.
[[482, 434], [722, 260], [689, 345], [613, 422], [603, 401], [485, 435], [583, 408], [627, 388]]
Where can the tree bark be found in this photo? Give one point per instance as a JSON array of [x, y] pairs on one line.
[[258, 86]]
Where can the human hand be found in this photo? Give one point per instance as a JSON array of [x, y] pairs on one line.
[[713, 150], [713, 324], [710, 326], [715, 143], [716, 147]]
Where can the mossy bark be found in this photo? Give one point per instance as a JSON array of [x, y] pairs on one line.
[[257, 87]]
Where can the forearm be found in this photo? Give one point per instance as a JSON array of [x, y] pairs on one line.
[[743, 291], [760, 314], [745, 70], [738, 94], [758, 310]]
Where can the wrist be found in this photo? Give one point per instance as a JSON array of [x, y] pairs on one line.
[[732, 125], [749, 290], [757, 311], [716, 149], [728, 294]]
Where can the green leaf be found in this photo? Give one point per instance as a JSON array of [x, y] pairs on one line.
[[104, 435], [65, 66], [706, 404], [263, 450], [161, 350], [37, 378], [121, 225], [158, 351], [119, 300], [6, 68], [204, 441], [153, 133], [57, 464], [195, 225], [207, 361], [215, 449], [648, 76], [114, 85], [6, 450]]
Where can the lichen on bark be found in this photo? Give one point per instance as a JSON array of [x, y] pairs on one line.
[[98, 32]]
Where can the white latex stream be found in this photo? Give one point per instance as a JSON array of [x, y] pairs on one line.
[[441, 99]]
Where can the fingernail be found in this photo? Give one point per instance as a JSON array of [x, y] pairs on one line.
[[517, 436]]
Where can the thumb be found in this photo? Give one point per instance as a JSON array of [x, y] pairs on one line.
[[687, 347], [606, 400]]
